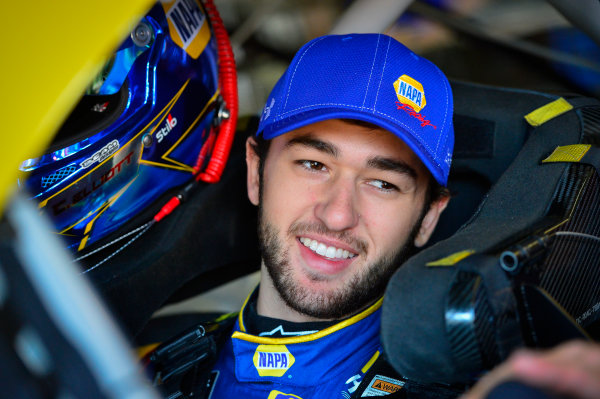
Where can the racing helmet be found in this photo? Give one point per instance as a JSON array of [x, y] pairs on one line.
[[159, 116]]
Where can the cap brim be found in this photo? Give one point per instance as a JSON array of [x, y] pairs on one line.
[[296, 121]]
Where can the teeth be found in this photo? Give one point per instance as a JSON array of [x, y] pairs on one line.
[[321, 249], [324, 250]]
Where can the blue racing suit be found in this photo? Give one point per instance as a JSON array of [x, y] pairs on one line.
[[329, 363]]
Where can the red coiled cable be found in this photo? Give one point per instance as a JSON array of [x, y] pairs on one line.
[[228, 83]]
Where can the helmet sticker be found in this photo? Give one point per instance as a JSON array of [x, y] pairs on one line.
[[187, 25], [170, 123], [101, 154]]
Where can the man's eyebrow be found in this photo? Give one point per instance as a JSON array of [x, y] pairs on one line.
[[394, 165], [310, 141]]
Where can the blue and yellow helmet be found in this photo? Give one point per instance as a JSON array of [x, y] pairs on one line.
[[160, 114]]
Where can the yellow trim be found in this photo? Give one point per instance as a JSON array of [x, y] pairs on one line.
[[168, 106], [90, 213], [145, 349], [83, 243], [179, 165], [367, 366], [240, 315], [568, 153], [452, 259], [101, 210], [564, 312], [184, 168], [276, 394], [309, 337], [108, 203], [547, 112]]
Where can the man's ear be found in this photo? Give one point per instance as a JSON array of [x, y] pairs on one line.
[[252, 162], [430, 220]]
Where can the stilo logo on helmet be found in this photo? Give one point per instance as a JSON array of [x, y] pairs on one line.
[[163, 95]]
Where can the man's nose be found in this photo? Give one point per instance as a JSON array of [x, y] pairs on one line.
[[337, 207]]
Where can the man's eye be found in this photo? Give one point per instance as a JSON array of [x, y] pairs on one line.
[[312, 165], [383, 185]]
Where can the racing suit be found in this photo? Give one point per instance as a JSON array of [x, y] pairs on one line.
[[329, 363], [250, 356]]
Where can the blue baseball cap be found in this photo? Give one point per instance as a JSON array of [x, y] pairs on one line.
[[369, 77]]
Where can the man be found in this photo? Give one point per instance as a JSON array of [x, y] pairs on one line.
[[347, 169]]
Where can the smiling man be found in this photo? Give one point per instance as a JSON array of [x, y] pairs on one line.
[[348, 169]]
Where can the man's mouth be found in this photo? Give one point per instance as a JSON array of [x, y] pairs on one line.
[[326, 251]]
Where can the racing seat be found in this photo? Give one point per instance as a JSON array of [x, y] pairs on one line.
[[523, 270]]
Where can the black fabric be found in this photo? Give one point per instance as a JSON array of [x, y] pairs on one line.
[[92, 114], [489, 132], [258, 325], [473, 138], [414, 329]]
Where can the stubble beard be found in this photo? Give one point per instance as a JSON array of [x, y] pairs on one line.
[[362, 289]]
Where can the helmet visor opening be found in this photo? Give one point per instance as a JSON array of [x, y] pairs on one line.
[[91, 115]]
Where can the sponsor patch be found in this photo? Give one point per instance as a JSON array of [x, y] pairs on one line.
[[281, 395], [411, 99], [410, 92], [382, 386], [187, 25], [272, 360]]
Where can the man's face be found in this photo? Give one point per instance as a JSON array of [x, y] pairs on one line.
[[340, 205]]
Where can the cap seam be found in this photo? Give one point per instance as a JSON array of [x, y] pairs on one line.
[[445, 110], [296, 68], [382, 73], [371, 73]]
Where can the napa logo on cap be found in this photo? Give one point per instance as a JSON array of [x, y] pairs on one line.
[[410, 92], [272, 360]]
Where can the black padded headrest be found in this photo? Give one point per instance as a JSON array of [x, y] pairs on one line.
[[415, 324]]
